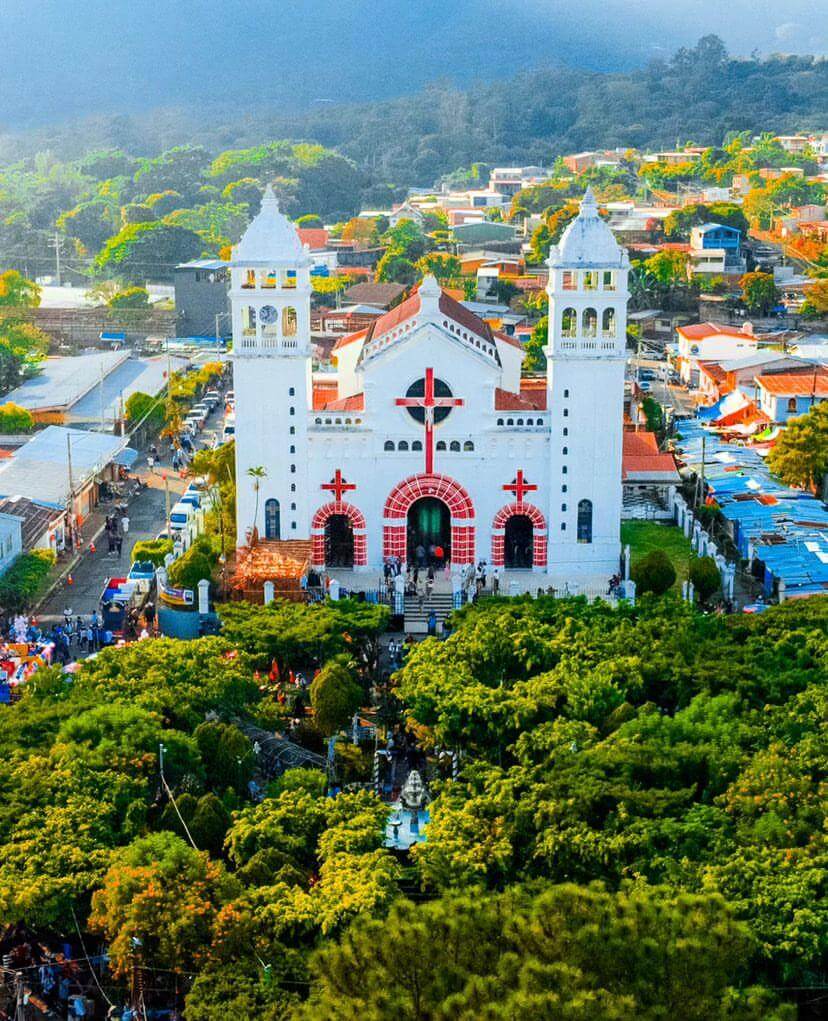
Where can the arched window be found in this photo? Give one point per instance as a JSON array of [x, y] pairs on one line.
[[289, 321], [402, 445], [569, 322], [441, 444], [416, 445], [510, 421], [585, 521], [500, 421], [388, 445], [590, 322], [468, 445], [454, 446], [292, 410], [519, 422], [272, 519], [792, 404], [565, 451], [291, 391], [608, 323]]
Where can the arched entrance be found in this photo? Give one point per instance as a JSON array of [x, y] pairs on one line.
[[428, 531], [519, 538], [518, 551], [449, 495], [339, 541], [338, 536]]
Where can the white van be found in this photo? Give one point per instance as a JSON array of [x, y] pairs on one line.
[[183, 523]]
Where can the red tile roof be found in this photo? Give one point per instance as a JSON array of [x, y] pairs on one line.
[[316, 238], [450, 308], [639, 444], [714, 371], [641, 456], [356, 402], [701, 331], [795, 384]]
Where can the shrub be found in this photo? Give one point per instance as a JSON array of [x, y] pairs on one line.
[[14, 419], [654, 573], [154, 550], [705, 577], [25, 580], [335, 697], [141, 407], [198, 562]]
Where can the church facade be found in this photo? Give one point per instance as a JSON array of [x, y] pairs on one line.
[[427, 437]]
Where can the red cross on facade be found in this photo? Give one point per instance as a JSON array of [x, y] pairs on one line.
[[338, 485], [520, 487], [428, 402]]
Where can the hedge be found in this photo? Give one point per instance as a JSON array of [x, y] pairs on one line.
[[154, 550], [25, 580]]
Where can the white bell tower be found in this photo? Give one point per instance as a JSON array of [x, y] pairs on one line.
[[586, 355], [270, 300]]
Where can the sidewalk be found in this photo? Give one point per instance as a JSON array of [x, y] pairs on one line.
[[90, 570]]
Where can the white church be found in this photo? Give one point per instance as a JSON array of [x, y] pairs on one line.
[[427, 437]]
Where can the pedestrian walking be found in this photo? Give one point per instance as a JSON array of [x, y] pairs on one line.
[[119, 541]]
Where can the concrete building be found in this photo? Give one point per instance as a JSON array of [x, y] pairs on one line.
[[427, 434], [201, 298]]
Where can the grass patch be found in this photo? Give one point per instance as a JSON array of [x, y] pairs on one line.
[[645, 536]]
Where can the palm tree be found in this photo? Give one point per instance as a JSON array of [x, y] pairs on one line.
[[256, 473]]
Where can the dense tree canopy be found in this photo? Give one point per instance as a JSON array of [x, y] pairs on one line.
[[637, 829]]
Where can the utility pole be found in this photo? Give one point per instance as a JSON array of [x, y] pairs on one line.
[[101, 396], [55, 243], [701, 474], [167, 502], [71, 499]]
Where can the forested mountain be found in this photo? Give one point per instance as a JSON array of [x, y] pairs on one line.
[[700, 94]]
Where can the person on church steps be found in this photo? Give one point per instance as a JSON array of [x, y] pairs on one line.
[[432, 623]]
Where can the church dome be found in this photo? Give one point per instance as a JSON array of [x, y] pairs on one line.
[[270, 238], [588, 241]]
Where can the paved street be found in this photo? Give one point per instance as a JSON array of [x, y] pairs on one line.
[[146, 520], [147, 517]]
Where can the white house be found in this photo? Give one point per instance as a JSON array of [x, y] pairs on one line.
[[427, 436], [710, 342]]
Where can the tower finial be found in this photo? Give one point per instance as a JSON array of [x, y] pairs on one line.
[[270, 204], [589, 205]]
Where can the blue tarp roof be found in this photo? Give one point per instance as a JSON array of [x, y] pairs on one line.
[[788, 527]]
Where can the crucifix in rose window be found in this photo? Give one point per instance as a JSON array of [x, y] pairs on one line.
[[520, 487], [428, 402], [338, 485]]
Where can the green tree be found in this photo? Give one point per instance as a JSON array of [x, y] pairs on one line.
[[14, 419], [161, 892], [227, 755], [535, 360], [256, 474], [130, 298], [442, 266], [405, 239], [396, 268], [142, 251], [561, 952], [705, 577], [800, 455], [18, 292], [335, 696], [759, 291], [654, 573]]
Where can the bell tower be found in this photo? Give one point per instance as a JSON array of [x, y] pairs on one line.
[[270, 301], [586, 355]]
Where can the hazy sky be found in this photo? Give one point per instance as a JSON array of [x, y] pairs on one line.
[[60, 59]]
